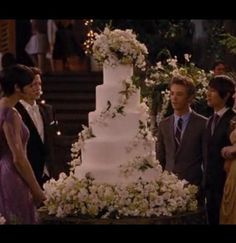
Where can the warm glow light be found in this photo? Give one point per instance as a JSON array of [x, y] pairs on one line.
[[90, 37]]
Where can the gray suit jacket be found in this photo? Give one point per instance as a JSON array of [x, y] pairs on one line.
[[187, 161]]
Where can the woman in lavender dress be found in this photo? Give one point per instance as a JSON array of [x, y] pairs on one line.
[[20, 193]]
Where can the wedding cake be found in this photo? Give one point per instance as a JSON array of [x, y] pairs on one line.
[[115, 125], [113, 170]]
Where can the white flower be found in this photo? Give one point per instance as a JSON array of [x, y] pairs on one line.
[[76, 147], [187, 57], [119, 46], [160, 75]]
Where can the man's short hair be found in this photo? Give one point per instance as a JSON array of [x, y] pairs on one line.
[[186, 82]]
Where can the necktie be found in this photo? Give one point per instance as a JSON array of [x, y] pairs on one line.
[[34, 110], [214, 122], [37, 120], [178, 132]]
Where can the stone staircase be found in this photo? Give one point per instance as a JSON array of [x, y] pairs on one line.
[[72, 97]]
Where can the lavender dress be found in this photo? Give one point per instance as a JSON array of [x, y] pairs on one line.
[[16, 203]]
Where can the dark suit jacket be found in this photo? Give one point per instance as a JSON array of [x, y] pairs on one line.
[[214, 168], [187, 161], [38, 152]]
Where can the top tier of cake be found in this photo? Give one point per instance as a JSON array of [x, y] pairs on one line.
[[116, 80], [109, 98], [114, 75]]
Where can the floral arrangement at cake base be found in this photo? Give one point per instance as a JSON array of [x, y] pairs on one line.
[[165, 196]]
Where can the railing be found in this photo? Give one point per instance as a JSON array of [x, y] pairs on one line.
[[7, 36]]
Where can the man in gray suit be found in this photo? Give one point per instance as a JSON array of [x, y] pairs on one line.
[[180, 136]]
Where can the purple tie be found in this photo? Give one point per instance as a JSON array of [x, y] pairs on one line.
[[178, 132], [214, 122]]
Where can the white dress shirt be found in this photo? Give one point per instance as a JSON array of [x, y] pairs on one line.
[[34, 113]]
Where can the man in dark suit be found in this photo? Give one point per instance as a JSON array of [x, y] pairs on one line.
[[219, 97], [180, 136], [39, 118]]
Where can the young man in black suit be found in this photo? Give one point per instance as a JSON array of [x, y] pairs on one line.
[[39, 118], [219, 96]]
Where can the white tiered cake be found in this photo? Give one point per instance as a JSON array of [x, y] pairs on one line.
[[117, 148], [115, 133]]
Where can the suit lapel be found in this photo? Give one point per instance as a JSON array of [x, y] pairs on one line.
[[187, 132], [220, 123], [43, 115], [171, 133], [224, 117], [188, 128]]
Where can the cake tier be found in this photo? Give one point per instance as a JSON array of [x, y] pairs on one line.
[[126, 125], [111, 175], [115, 75], [110, 93], [102, 158]]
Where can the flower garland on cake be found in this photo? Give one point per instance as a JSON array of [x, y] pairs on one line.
[[111, 111], [144, 135], [76, 147]]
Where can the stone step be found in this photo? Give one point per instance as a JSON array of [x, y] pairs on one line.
[[72, 116], [71, 83], [66, 87], [70, 96], [73, 107], [74, 76], [70, 86]]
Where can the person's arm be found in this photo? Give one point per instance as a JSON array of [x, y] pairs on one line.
[[51, 33], [229, 152], [12, 130]]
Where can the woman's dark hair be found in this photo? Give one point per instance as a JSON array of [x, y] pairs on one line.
[[36, 70], [8, 59], [223, 85], [19, 75]]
